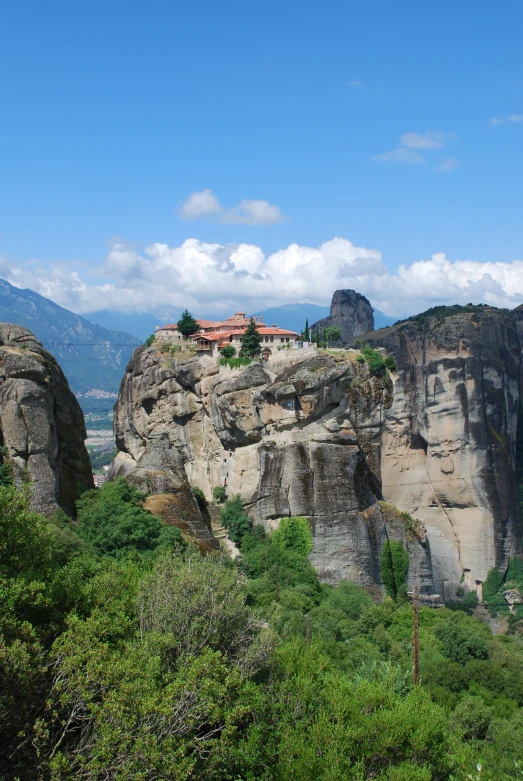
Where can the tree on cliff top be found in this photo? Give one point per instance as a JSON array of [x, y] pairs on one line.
[[251, 341], [187, 325]]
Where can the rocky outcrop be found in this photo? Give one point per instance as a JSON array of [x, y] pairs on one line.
[[41, 424], [449, 441], [351, 312], [298, 435]]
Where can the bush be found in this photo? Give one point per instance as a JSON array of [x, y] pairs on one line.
[[294, 533], [219, 494], [235, 363], [150, 339], [234, 519], [394, 568], [113, 520], [375, 361], [390, 363], [459, 643], [228, 351]]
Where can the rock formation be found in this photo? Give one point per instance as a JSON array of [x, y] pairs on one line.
[[449, 441], [350, 312], [41, 424], [298, 435]]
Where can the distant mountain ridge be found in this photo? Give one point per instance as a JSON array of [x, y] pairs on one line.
[[91, 356], [290, 316]]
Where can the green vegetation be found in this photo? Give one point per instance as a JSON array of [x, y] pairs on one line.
[[233, 518], [6, 471], [163, 664], [331, 334], [306, 332], [219, 494], [229, 351], [187, 325], [440, 313], [251, 342], [394, 567], [150, 339], [235, 363], [113, 521], [375, 361]]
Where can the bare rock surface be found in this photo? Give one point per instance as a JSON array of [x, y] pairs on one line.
[[41, 423], [351, 312], [298, 435], [449, 440]]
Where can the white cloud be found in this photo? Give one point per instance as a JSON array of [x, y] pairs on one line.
[[355, 83], [447, 165], [410, 143], [401, 155], [423, 140], [248, 212], [198, 205], [215, 278], [508, 120]]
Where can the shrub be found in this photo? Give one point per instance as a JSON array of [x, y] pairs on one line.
[[234, 519], [459, 643], [228, 351], [112, 519], [394, 568], [219, 494], [235, 363], [150, 339], [390, 363], [294, 533], [375, 361]]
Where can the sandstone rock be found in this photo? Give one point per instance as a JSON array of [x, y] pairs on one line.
[[351, 312], [449, 442], [41, 423], [299, 435]]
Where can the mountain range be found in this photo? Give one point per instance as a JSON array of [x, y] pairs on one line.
[[92, 357]]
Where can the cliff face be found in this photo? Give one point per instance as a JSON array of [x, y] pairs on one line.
[[299, 435], [351, 312], [449, 442], [41, 423]]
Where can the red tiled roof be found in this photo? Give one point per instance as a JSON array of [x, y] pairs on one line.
[[208, 323], [170, 327], [213, 336], [275, 331]]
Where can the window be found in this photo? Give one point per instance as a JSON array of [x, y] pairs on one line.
[[287, 339], [282, 339], [272, 338]]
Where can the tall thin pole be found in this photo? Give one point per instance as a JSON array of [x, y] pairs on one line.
[[277, 588], [308, 629], [416, 640]]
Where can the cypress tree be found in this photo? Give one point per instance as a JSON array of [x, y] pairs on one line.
[[306, 333], [187, 325], [251, 341]]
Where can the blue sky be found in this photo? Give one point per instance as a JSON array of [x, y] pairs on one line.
[[114, 113]]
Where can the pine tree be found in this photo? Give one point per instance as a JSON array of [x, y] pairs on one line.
[[187, 325], [306, 333], [251, 341], [324, 337]]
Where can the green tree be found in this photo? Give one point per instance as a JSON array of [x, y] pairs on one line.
[[251, 341], [187, 325], [306, 333], [235, 519], [229, 351], [394, 568], [294, 533], [112, 519], [459, 643], [332, 334]]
